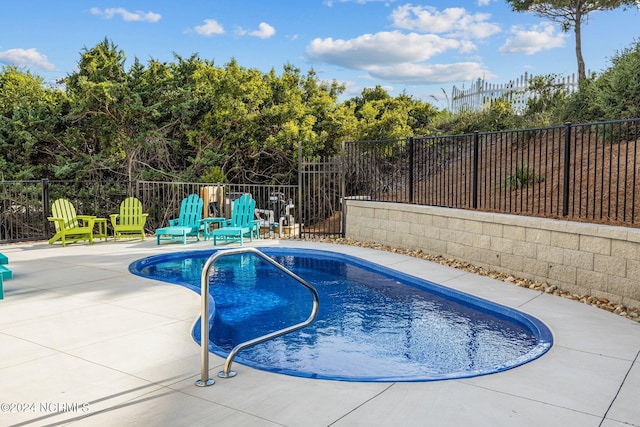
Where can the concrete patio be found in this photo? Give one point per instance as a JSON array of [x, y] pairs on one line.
[[84, 342]]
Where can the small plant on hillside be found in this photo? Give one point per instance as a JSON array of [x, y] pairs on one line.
[[522, 177]]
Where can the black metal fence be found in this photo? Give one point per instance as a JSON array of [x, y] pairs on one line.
[[586, 172], [25, 205]]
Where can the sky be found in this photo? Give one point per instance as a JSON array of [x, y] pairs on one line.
[[421, 48]]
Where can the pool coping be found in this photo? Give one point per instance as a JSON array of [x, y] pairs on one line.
[[77, 328]]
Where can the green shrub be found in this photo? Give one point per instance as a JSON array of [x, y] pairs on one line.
[[214, 175], [521, 178], [614, 95], [580, 107], [618, 88]]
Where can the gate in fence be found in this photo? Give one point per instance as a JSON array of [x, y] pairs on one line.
[[320, 198]]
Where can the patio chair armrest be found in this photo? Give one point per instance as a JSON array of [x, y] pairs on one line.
[[89, 219], [54, 219], [173, 222], [114, 218]]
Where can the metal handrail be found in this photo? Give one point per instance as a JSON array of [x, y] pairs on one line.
[[204, 330]]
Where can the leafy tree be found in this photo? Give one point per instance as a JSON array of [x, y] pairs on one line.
[[384, 119], [380, 116], [185, 120], [421, 115], [569, 14], [100, 128], [327, 120], [124, 124], [31, 115], [258, 121], [231, 123]]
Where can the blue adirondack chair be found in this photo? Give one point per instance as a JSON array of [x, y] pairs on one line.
[[241, 223], [5, 273], [187, 224]]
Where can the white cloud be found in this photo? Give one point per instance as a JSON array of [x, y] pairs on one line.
[[26, 58], [538, 38], [430, 73], [109, 13], [454, 21], [209, 27], [384, 48], [264, 31], [406, 54]]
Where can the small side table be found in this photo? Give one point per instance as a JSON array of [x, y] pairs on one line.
[[102, 228], [208, 225]]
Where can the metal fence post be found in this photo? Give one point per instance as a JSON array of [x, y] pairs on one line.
[[476, 156], [411, 162], [45, 206], [343, 190], [300, 208], [567, 161]]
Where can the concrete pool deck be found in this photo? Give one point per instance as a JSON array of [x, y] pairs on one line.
[[84, 342]]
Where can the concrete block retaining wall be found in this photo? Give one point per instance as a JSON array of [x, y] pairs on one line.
[[580, 258]]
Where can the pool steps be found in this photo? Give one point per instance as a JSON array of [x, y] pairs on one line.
[[5, 273]]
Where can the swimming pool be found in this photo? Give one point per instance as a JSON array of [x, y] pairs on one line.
[[373, 324]]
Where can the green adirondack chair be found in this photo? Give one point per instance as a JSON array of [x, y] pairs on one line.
[[241, 223], [187, 224], [130, 221], [69, 226]]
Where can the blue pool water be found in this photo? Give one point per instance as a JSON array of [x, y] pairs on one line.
[[373, 324]]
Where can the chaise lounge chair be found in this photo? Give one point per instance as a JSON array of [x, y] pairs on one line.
[[187, 224], [130, 221], [241, 222], [69, 226], [5, 273]]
